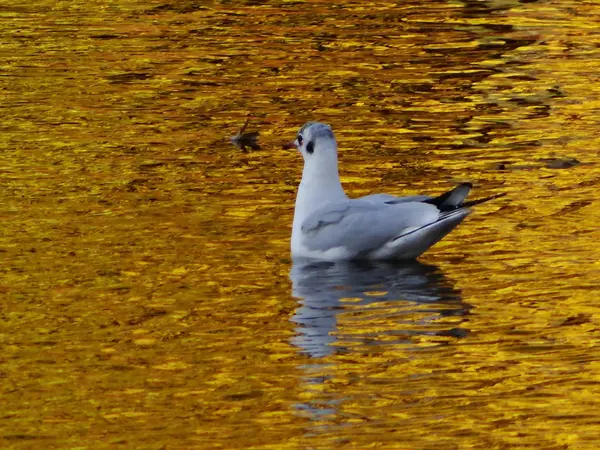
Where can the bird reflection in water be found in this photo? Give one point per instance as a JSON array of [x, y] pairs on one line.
[[353, 306], [327, 289]]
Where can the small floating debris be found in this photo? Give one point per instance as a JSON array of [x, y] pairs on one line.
[[560, 163], [244, 140], [548, 163]]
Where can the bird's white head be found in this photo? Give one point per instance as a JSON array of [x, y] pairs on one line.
[[316, 142]]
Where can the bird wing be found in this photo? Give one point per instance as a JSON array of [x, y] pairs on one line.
[[378, 199], [360, 226]]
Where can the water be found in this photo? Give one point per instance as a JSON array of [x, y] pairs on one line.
[[148, 298]]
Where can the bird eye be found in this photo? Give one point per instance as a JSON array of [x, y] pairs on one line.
[[300, 139]]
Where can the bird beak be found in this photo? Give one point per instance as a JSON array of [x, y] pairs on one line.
[[290, 145]]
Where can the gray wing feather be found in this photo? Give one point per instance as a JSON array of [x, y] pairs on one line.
[[378, 199], [328, 215], [360, 226]]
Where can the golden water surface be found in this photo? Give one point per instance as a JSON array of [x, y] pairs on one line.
[[147, 297]]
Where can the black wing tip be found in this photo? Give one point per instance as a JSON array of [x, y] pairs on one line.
[[482, 200], [452, 199], [447, 203]]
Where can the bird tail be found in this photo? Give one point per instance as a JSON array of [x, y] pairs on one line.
[[454, 199]]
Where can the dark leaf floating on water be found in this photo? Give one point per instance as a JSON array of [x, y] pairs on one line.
[[244, 140], [560, 163], [549, 163]]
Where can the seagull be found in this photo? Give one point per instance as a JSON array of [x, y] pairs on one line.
[[328, 225]]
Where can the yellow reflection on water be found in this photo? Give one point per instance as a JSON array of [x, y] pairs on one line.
[[147, 295]]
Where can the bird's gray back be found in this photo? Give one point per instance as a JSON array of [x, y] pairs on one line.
[[361, 226], [380, 199]]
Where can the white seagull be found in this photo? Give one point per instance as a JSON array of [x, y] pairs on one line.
[[328, 225]]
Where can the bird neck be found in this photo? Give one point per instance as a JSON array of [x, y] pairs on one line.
[[320, 185]]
